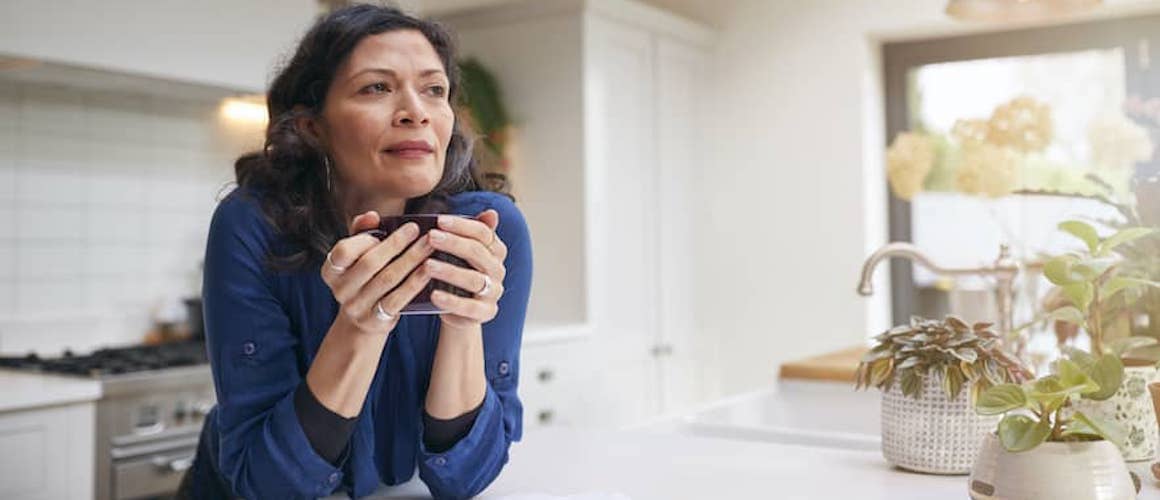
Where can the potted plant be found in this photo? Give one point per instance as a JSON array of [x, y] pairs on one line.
[[930, 373], [1098, 293], [1042, 450]]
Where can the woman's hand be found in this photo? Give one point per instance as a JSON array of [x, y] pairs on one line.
[[475, 241], [360, 273]]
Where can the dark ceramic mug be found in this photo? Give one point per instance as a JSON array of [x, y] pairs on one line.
[[421, 304]]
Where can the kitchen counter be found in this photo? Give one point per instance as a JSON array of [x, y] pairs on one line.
[[23, 391], [803, 412], [640, 465], [798, 440]]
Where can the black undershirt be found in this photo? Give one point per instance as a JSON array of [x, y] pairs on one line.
[[329, 433]]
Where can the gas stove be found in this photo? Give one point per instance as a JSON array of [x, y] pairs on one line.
[[153, 401], [113, 361]]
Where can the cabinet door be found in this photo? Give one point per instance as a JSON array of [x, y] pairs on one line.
[[622, 211], [686, 361], [47, 453]]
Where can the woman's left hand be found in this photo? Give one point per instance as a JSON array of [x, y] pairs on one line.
[[475, 241]]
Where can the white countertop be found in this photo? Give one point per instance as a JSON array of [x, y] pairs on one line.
[[640, 465], [796, 441], [22, 391]]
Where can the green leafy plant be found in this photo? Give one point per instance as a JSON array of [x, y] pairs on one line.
[[1095, 287], [961, 355], [485, 114], [1038, 410]]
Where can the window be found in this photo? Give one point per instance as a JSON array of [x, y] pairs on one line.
[[1088, 76]]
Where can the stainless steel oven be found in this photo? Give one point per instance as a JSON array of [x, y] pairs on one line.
[[153, 402], [147, 430]]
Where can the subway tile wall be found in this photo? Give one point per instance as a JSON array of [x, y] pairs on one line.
[[105, 201]]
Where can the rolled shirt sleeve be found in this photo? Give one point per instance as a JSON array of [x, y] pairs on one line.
[[264, 452], [468, 467]]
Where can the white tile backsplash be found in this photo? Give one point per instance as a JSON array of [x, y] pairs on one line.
[[52, 186], [117, 188], [38, 150], [44, 222], [40, 296], [7, 303], [51, 261], [7, 222], [7, 263], [53, 110], [119, 118], [109, 261], [115, 225], [7, 181], [105, 201]]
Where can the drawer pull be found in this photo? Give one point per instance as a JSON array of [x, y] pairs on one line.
[[173, 464], [546, 416]]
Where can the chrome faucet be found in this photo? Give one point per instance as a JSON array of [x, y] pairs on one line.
[[1004, 269]]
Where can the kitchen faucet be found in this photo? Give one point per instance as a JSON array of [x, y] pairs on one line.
[[1004, 269]]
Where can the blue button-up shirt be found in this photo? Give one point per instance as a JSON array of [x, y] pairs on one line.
[[263, 329]]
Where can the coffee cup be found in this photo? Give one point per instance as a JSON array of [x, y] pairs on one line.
[[422, 304]]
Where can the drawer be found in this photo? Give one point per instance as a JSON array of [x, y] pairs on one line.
[[151, 475]]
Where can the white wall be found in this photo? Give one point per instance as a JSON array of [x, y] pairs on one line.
[[105, 202], [545, 104], [220, 42], [794, 193]]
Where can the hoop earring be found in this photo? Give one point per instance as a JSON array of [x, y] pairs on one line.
[[326, 162]]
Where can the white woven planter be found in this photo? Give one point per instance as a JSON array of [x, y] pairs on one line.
[[932, 434]]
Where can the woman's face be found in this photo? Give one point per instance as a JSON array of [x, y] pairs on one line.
[[387, 119]]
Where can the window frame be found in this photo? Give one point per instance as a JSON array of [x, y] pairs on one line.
[[1138, 37]]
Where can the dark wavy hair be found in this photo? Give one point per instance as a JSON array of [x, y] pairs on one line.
[[289, 172]]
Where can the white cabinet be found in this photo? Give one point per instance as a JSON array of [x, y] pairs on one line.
[[690, 365], [604, 94], [219, 42], [47, 453]]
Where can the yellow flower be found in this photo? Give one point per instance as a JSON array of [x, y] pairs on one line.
[[987, 169], [971, 131], [1022, 123], [1117, 142], [908, 160]]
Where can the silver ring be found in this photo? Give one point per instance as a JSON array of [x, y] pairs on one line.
[[337, 268], [486, 286], [382, 315]]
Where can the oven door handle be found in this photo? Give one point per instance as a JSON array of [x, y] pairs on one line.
[[173, 463]]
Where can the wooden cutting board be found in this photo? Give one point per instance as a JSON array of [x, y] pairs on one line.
[[837, 366]]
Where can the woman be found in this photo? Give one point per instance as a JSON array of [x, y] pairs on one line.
[[321, 384]]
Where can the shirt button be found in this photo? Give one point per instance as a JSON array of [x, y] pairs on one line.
[[440, 461], [333, 478], [248, 348], [504, 368]]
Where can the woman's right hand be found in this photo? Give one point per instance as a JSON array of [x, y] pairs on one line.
[[361, 272]]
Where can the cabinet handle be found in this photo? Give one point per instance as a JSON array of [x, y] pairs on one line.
[[173, 464], [546, 416], [662, 350], [545, 375]]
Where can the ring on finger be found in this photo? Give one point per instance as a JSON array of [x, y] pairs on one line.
[[330, 262], [486, 287], [381, 314]]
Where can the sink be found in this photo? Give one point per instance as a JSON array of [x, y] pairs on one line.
[[826, 414]]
